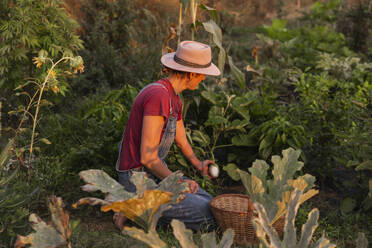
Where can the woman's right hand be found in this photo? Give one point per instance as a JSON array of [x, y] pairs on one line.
[[193, 186]]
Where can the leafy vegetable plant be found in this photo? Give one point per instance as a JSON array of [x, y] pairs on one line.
[[274, 194], [269, 237]]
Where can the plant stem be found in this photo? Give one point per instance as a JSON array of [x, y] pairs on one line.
[[38, 104], [179, 24]]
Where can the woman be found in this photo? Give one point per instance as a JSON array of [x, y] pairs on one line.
[[155, 122]]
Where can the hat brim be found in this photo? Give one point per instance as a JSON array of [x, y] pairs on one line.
[[168, 61]]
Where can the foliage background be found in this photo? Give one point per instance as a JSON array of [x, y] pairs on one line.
[[308, 86]]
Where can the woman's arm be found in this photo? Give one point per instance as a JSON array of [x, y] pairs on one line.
[[151, 132], [184, 145]]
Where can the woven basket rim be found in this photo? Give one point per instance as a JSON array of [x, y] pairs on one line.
[[229, 211]]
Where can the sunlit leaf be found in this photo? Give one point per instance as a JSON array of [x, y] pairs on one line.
[[136, 208]]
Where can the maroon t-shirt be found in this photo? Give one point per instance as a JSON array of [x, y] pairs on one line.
[[152, 101]]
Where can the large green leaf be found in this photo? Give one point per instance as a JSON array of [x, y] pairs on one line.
[[237, 125], [99, 180], [270, 238], [145, 207], [201, 138], [237, 74], [142, 182], [244, 140], [215, 117], [215, 120], [231, 170], [211, 27], [227, 239], [286, 167], [259, 169], [210, 96]]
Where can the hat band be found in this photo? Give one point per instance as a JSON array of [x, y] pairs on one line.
[[190, 64]]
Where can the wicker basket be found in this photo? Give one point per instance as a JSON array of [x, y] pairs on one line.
[[236, 211]]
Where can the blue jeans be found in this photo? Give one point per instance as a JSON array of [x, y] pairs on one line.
[[193, 211]]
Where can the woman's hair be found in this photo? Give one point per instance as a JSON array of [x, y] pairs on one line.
[[167, 70]]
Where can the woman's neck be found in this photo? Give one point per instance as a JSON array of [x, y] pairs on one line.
[[178, 84]]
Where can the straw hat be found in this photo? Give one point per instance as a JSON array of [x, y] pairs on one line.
[[191, 56]]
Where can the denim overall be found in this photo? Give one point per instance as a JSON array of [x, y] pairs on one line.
[[194, 210]]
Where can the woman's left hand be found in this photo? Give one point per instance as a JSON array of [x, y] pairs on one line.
[[204, 167]]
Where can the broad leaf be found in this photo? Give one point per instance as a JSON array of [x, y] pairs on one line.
[[211, 27], [140, 210], [286, 167], [201, 138], [45, 236], [146, 207], [231, 170], [210, 96], [48, 235], [227, 239], [209, 240], [238, 75], [244, 140], [142, 182], [151, 238], [184, 236], [259, 169], [308, 228], [99, 180]]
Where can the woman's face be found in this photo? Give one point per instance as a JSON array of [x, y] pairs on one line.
[[195, 80]]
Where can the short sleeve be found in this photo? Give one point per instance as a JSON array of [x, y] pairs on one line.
[[156, 103]]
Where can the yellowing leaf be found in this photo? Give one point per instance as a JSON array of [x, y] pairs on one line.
[[135, 207], [298, 183], [283, 205], [257, 185], [48, 235]]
